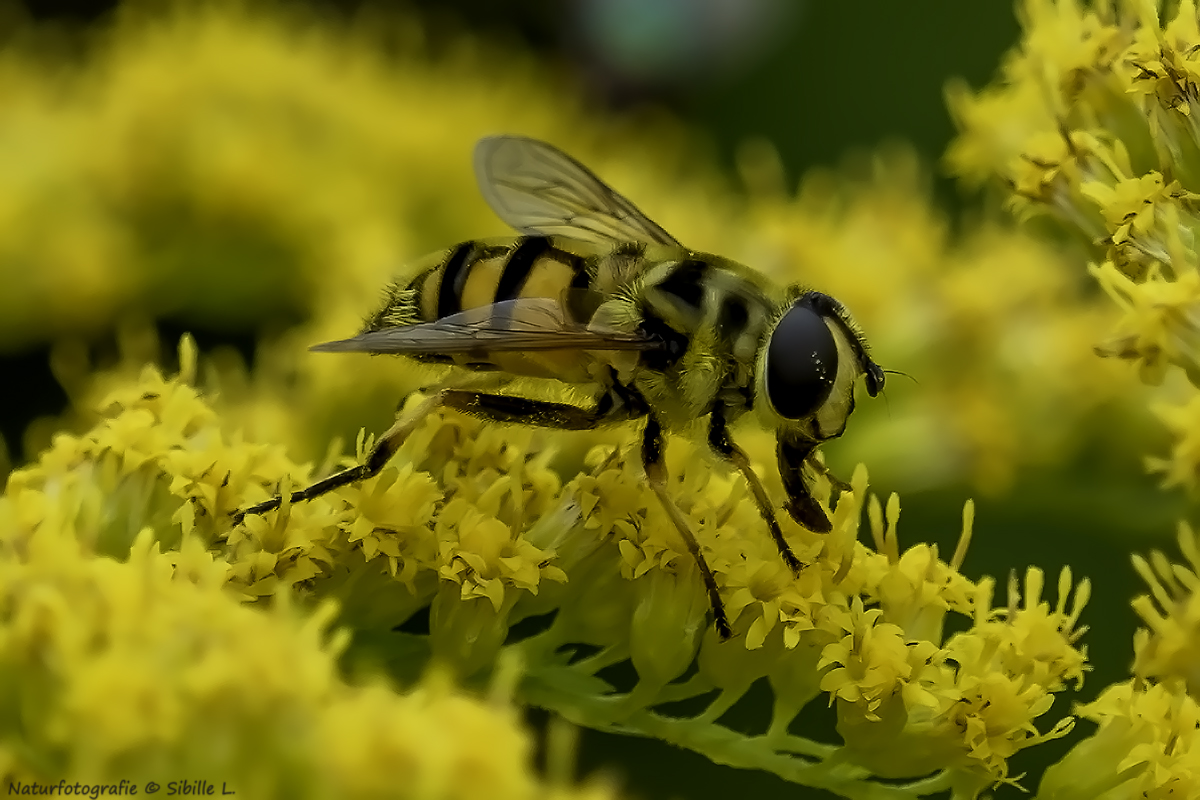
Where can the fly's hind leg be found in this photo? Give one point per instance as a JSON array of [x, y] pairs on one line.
[[723, 446], [384, 448], [616, 405], [653, 446]]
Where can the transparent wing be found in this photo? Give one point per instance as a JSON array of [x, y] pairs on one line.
[[527, 324], [540, 190]]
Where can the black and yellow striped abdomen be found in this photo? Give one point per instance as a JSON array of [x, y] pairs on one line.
[[481, 272]]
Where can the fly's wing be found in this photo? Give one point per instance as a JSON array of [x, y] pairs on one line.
[[526, 324], [541, 191]]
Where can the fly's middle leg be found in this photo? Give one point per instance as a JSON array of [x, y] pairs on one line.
[[653, 446]]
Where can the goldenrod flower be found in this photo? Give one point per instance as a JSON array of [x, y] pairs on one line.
[[1147, 745], [1107, 144], [498, 532], [145, 670], [1168, 649], [869, 661], [1148, 741], [1100, 133]]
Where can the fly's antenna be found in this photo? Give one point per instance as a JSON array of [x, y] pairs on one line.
[[898, 372], [884, 391]]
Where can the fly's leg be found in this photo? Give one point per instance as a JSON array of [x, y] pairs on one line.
[[612, 407], [819, 467], [721, 443], [802, 506], [384, 448], [617, 405], [653, 446]]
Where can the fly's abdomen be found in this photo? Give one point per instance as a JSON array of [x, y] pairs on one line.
[[482, 272], [485, 271]]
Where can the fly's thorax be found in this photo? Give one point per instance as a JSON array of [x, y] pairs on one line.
[[710, 314], [808, 366], [617, 270]]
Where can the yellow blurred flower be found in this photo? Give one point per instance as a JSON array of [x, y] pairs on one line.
[[143, 669]]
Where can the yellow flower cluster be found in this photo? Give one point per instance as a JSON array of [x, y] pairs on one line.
[[475, 525], [143, 669], [1169, 648], [1148, 739], [1093, 123]]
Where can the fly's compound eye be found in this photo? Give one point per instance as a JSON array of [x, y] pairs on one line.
[[802, 363]]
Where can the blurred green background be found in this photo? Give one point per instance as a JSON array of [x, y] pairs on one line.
[[820, 82]]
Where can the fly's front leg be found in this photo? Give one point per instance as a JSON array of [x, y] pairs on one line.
[[652, 459], [802, 506], [819, 467], [723, 446]]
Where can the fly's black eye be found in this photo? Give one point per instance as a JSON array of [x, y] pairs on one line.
[[802, 363]]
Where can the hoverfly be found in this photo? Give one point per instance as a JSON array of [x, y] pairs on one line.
[[594, 293]]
